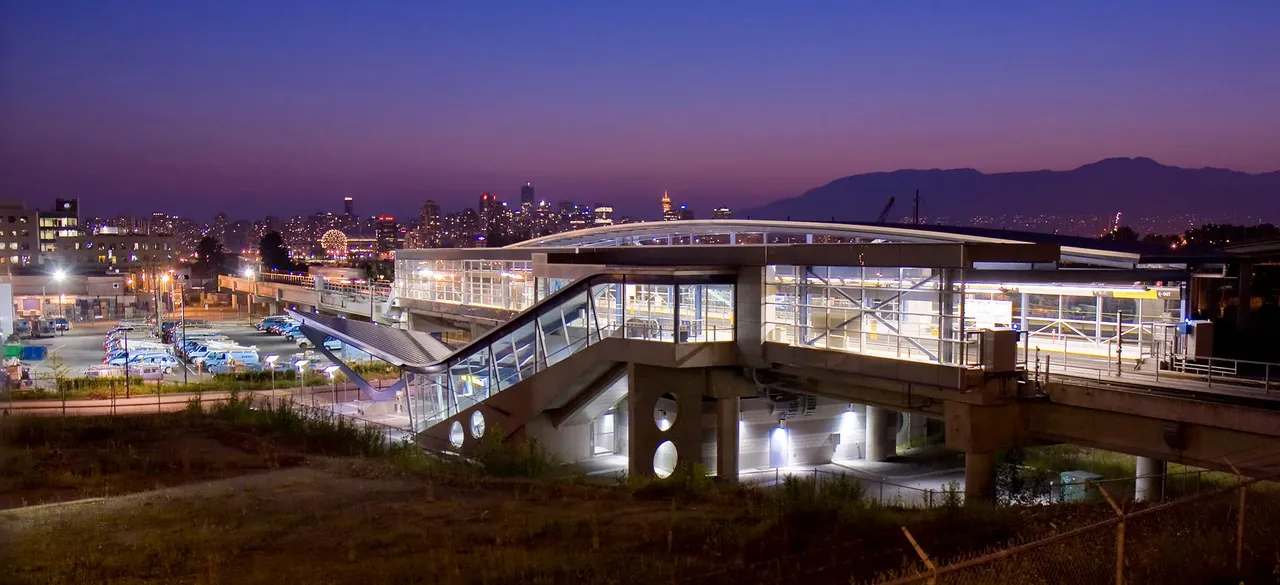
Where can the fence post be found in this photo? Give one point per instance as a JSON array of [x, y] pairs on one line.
[[933, 569], [1119, 535], [1239, 520]]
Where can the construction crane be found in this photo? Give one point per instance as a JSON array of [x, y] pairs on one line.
[[884, 213]]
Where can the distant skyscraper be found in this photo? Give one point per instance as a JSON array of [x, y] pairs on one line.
[[348, 206], [721, 213], [386, 233], [432, 228], [603, 215], [666, 207], [526, 196], [684, 213]]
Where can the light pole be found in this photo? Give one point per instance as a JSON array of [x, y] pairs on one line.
[[271, 363], [333, 390], [302, 364], [182, 287], [125, 333], [59, 275], [248, 304]]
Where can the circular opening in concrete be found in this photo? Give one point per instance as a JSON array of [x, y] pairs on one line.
[[477, 424], [456, 435], [664, 413], [664, 459]]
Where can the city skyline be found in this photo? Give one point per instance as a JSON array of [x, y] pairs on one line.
[[281, 106]]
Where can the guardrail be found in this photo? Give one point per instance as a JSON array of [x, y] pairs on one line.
[[1222, 370]]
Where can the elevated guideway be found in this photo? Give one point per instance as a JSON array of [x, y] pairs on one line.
[[279, 291]]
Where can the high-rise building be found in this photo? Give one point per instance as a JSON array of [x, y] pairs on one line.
[[218, 230], [490, 208], [431, 229], [462, 229], [348, 206], [19, 240], [603, 215], [62, 222], [386, 233], [721, 213], [684, 212], [667, 214], [526, 196]]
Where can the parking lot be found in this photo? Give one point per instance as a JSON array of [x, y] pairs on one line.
[[81, 347]]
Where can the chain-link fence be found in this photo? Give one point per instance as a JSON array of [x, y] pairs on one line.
[[879, 489], [1222, 536]]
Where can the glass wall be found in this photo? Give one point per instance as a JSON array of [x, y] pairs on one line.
[[902, 313], [576, 317], [1078, 321], [498, 284]]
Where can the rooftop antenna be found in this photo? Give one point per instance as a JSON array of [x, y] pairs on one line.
[[916, 207]]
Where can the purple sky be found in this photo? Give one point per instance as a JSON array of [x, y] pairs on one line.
[[259, 107]]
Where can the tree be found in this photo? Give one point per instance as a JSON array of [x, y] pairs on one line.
[[209, 254], [274, 254], [1018, 484], [1123, 234]]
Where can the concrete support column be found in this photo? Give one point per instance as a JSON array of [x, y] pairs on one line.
[[477, 330], [727, 416], [273, 307], [915, 429], [979, 477], [748, 319], [1149, 486], [881, 434], [1244, 296], [645, 385]]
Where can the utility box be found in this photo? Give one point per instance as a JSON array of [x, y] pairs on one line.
[[1074, 485], [1199, 339], [999, 350]]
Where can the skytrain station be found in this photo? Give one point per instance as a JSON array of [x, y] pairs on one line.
[[741, 345]]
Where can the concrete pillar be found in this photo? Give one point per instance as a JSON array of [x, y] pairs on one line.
[[915, 429], [1149, 486], [477, 330], [645, 384], [273, 307], [727, 416], [748, 322], [1244, 296], [881, 434], [979, 477]]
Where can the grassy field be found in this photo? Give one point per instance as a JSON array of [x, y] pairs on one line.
[[267, 496]]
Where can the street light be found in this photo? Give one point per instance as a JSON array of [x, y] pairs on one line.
[[59, 275], [271, 363], [248, 273], [301, 364], [333, 389]]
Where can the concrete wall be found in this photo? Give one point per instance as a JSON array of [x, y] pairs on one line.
[[813, 439], [569, 443]]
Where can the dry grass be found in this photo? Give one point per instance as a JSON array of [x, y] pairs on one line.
[[405, 517]]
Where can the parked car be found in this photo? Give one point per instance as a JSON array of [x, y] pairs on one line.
[[330, 343]]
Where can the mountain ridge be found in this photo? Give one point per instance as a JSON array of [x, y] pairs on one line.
[[1117, 184]]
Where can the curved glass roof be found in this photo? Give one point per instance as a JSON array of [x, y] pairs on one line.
[[758, 231]]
